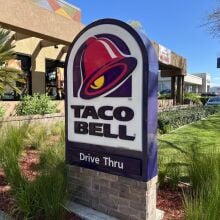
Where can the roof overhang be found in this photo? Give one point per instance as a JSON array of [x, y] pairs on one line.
[[25, 17]]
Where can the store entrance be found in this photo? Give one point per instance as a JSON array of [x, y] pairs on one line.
[[55, 79]]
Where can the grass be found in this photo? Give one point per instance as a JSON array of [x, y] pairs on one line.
[[2, 111], [176, 147], [203, 202], [202, 133], [43, 197], [192, 154]]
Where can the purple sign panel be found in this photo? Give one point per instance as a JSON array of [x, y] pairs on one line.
[[111, 101]]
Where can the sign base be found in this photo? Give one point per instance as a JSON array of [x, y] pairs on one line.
[[117, 196]]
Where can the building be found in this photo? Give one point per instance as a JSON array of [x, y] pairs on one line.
[[192, 83], [172, 68], [41, 34], [206, 82], [215, 89], [196, 83]]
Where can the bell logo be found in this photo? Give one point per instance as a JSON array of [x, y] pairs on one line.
[[106, 65]]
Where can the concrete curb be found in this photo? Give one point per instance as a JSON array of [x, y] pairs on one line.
[[87, 213], [90, 214], [159, 214], [4, 216]]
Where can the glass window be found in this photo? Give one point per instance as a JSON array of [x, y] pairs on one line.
[[55, 79]]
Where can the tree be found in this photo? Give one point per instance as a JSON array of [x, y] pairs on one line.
[[213, 22], [136, 25], [8, 76]]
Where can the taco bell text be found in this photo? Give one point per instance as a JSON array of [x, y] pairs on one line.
[[107, 113]]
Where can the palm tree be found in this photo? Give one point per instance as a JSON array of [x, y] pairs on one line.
[[8, 76]]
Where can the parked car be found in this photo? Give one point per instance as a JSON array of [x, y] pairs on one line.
[[165, 91], [213, 101], [207, 94]]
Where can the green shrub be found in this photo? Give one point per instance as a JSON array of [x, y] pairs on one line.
[[203, 203], [204, 99], [194, 163], [201, 169], [36, 136], [2, 111], [164, 96], [193, 97], [36, 104], [170, 120], [44, 197], [171, 170], [11, 146], [59, 129]]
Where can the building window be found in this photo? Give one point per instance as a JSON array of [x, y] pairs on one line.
[[26, 88], [55, 79], [22, 63]]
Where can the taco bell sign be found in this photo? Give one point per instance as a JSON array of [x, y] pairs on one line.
[[111, 101]]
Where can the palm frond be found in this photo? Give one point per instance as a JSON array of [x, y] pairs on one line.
[[8, 76]]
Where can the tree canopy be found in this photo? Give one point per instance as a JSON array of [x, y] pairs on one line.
[[213, 22], [8, 76]]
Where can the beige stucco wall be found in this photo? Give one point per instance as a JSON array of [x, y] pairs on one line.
[[32, 46], [39, 51], [35, 31], [23, 16]]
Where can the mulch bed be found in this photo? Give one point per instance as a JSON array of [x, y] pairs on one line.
[[167, 200], [5, 198], [170, 202]]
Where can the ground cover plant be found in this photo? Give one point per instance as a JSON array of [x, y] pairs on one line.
[[188, 154], [192, 97], [203, 201], [170, 120], [2, 111], [37, 104], [189, 157], [43, 196]]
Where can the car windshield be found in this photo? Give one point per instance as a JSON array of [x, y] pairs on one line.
[[216, 99]]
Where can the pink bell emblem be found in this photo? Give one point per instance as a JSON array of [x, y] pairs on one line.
[[103, 67]]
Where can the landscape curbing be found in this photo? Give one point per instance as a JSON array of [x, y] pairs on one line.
[[19, 120], [4, 216], [86, 213], [90, 214]]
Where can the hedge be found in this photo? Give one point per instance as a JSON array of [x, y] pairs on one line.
[[170, 120]]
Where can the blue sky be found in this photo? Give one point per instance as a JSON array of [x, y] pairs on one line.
[[176, 24]]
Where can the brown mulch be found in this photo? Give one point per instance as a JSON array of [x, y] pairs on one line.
[[170, 202], [28, 164], [167, 200], [5, 198]]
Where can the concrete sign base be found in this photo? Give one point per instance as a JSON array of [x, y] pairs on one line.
[[117, 196]]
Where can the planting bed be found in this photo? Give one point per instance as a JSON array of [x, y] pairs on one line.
[[170, 202], [167, 200], [28, 163]]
